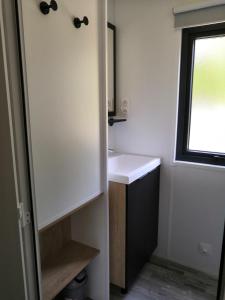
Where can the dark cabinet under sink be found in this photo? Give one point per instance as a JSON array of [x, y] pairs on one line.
[[133, 211]]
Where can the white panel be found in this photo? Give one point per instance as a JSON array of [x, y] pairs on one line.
[[63, 86]]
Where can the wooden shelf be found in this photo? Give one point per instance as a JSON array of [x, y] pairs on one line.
[[61, 269]]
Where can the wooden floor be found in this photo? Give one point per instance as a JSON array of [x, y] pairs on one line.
[[170, 282]]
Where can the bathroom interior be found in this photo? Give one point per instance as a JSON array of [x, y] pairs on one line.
[[185, 263], [110, 193]]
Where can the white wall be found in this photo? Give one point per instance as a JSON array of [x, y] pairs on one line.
[[111, 11], [192, 199]]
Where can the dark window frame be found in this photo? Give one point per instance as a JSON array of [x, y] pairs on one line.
[[189, 35]]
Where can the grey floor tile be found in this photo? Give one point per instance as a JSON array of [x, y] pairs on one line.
[[158, 282]]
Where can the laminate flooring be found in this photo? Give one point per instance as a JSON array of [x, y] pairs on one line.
[[169, 282]]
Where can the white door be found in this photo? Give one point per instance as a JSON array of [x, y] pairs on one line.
[[18, 263], [63, 102]]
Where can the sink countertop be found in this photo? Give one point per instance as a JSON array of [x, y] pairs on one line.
[[126, 168]]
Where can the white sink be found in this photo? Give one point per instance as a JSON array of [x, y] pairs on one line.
[[126, 168]]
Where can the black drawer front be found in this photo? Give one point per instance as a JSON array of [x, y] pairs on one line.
[[142, 200]]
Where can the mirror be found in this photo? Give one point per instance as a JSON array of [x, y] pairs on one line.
[[111, 69]]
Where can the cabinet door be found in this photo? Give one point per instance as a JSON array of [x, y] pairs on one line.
[[117, 233], [142, 223], [63, 67]]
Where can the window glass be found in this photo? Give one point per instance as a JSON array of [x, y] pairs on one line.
[[207, 123]]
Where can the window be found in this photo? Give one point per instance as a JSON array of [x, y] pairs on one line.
[[201, 114]]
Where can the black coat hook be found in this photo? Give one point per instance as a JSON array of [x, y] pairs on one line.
[[45, 7], [78, 22]]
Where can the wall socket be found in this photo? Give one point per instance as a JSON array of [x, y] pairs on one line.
[[124, 107], [205, 249]]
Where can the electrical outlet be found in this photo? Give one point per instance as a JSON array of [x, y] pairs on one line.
[[124, 107], [205, 249]]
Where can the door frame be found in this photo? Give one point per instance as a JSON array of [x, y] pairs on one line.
[[221, 283], [15, 160]]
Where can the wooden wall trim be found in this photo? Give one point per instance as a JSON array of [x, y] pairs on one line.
[[117, 232]]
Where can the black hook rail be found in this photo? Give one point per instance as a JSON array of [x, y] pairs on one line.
[[45, 7], [78, 22]]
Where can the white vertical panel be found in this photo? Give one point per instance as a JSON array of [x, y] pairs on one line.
[[63, 87]]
